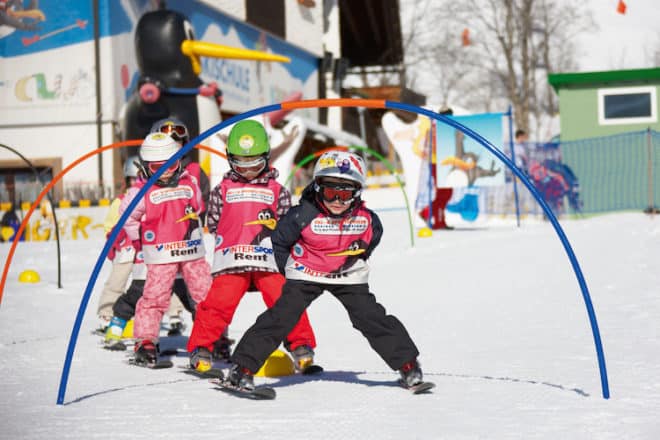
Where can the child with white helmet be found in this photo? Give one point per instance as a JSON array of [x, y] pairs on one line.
[[244, 208], [323, 244], [178, 130], [165, 223]]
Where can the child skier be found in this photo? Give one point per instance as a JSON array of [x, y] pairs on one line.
[[179, 132], [323, 244], [118, 304], [165, 224], [243, 211]]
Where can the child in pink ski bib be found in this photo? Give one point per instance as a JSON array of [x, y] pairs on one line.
[[243, 211], [166, 224]]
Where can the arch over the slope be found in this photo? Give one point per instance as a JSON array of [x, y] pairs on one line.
[[368, 103]]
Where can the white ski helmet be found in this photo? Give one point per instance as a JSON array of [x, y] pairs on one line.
[[343, 165], [157, 147], [131, 166]]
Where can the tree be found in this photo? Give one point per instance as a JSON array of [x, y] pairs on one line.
[[513, 45]]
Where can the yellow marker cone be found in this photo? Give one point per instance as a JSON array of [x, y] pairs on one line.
[[29, 276], [7, 232], [278, 364], [424, 232]]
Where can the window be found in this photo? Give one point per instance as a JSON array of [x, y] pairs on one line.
[[267, 15], [627, 105]]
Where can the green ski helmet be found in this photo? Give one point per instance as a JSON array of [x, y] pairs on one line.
[[248, 138]]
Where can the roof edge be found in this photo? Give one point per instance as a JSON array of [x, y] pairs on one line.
[[562, 80]]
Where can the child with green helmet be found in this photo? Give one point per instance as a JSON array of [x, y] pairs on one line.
[[243, 211]]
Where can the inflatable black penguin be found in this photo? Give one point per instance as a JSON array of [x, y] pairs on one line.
[[168, 58]]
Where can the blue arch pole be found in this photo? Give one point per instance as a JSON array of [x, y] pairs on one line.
[[329, 103], [120, 223], [555, 223], [509, 113]]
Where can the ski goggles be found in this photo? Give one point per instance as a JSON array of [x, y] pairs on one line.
[[242, 167], [155, 166], [178, 132], [344, 194]]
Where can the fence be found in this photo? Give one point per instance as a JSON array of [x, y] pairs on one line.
[[610, 173]]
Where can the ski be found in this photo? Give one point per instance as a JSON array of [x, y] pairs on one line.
[[259, 393], [420, 388], [115, 346], [311, 370], [213, 373], [159, 364]]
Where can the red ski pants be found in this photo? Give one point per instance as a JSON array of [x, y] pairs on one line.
[[215, 313]]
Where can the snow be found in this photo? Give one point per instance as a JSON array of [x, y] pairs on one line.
[[496, 311]]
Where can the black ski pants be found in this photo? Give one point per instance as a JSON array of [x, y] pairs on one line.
[[385, 333]]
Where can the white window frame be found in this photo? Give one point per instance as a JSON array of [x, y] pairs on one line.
[[602, 93]]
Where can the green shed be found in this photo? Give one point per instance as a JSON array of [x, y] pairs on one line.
[[610, 136], [593, 104]]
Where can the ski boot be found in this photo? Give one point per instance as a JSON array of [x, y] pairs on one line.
[[303, 357], [176, 326], [241, 378], [146, 352], [221, 348], [114, 333], [201, 359], [411, 374]]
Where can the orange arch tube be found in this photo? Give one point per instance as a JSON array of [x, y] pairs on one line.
[[344, 102]]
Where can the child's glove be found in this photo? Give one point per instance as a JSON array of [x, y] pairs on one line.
[[120, 241]]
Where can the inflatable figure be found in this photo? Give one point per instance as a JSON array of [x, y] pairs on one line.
[[168, 57]]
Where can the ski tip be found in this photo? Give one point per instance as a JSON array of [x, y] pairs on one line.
[[312, 369], [422, 388]]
